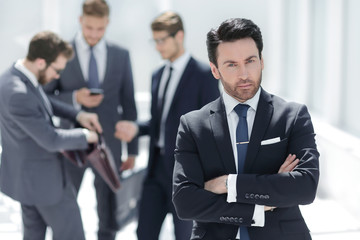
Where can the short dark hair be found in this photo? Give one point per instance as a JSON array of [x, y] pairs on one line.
[[96, 8], [48, 46], [231, 30], [168, 21]]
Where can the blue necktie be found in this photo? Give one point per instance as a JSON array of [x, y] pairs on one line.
[[93, 81], [242, 141]]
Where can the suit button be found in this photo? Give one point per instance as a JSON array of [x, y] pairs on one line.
[[240, 220], [232, 219], [227, 219], [252, 196], [222, 219], [262, 197], [247, 196], [257, 196], [236, 219], [267, 197]]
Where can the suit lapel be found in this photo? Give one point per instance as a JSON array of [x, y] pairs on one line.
[[109, 61], [262, 119], [220, 130], [184, 77], [32, 88], [155, 90], [77, 68]]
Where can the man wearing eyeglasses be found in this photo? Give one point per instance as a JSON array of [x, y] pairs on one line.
[[99, 79], [183, 84], [32, 168]]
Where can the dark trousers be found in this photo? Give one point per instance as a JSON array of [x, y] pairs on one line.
[[156, 202], [63, 218], [106, 202]]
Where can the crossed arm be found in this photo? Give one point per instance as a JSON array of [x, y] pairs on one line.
[[294, 183], [218, 185]]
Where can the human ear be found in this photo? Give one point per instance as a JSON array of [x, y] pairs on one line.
[[215, 71]]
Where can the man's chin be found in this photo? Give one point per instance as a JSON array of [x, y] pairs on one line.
[[92, 42], [43, 81]]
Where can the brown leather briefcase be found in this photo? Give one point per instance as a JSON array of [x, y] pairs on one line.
[[100, 158]]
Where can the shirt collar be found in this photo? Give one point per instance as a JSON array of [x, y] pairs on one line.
[[19, 65], [180, 62], [231, 102], [82, 45]]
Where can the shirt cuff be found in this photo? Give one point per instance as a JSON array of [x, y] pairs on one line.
[[86, 133], [231, 185], [259, 216], [76, 105]]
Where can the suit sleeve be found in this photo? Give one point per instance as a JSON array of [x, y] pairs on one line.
[[127, 100], [190, 198], [29, 117], [287, 189], [54, 90], [63, 110]]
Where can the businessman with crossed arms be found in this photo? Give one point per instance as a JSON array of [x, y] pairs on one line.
[[229, 175]]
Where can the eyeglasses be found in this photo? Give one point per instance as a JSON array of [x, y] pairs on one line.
[[58, 71], [161, 41]]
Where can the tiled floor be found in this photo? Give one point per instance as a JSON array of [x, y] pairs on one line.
[[326, 219]]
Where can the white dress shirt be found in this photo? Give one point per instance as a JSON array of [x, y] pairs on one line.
[[83, 54], [178, 67], [233, 119]]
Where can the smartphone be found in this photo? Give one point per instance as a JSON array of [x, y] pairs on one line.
[[96, 91]]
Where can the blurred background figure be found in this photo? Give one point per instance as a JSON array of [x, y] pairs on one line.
[[99, 79], [32, 168], [183, 84]]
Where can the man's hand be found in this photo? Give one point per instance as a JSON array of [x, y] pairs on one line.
[[128, 164], [126, 130], [84, 98], [217, 185], [91, 136], [289, 165], [89, 120]]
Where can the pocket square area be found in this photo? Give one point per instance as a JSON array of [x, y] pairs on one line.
[[270, 141]]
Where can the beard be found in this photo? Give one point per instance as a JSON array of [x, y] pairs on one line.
[[42, 78], [242, 95]]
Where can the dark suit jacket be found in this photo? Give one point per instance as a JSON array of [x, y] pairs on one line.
[[204, 151], [31, 169], [118, 103], [196, 88]]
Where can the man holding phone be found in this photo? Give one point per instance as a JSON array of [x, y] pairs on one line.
[[96, 91], [99, 79]]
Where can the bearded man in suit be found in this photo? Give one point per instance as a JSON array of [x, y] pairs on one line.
[[229, 158], [32, 168]]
